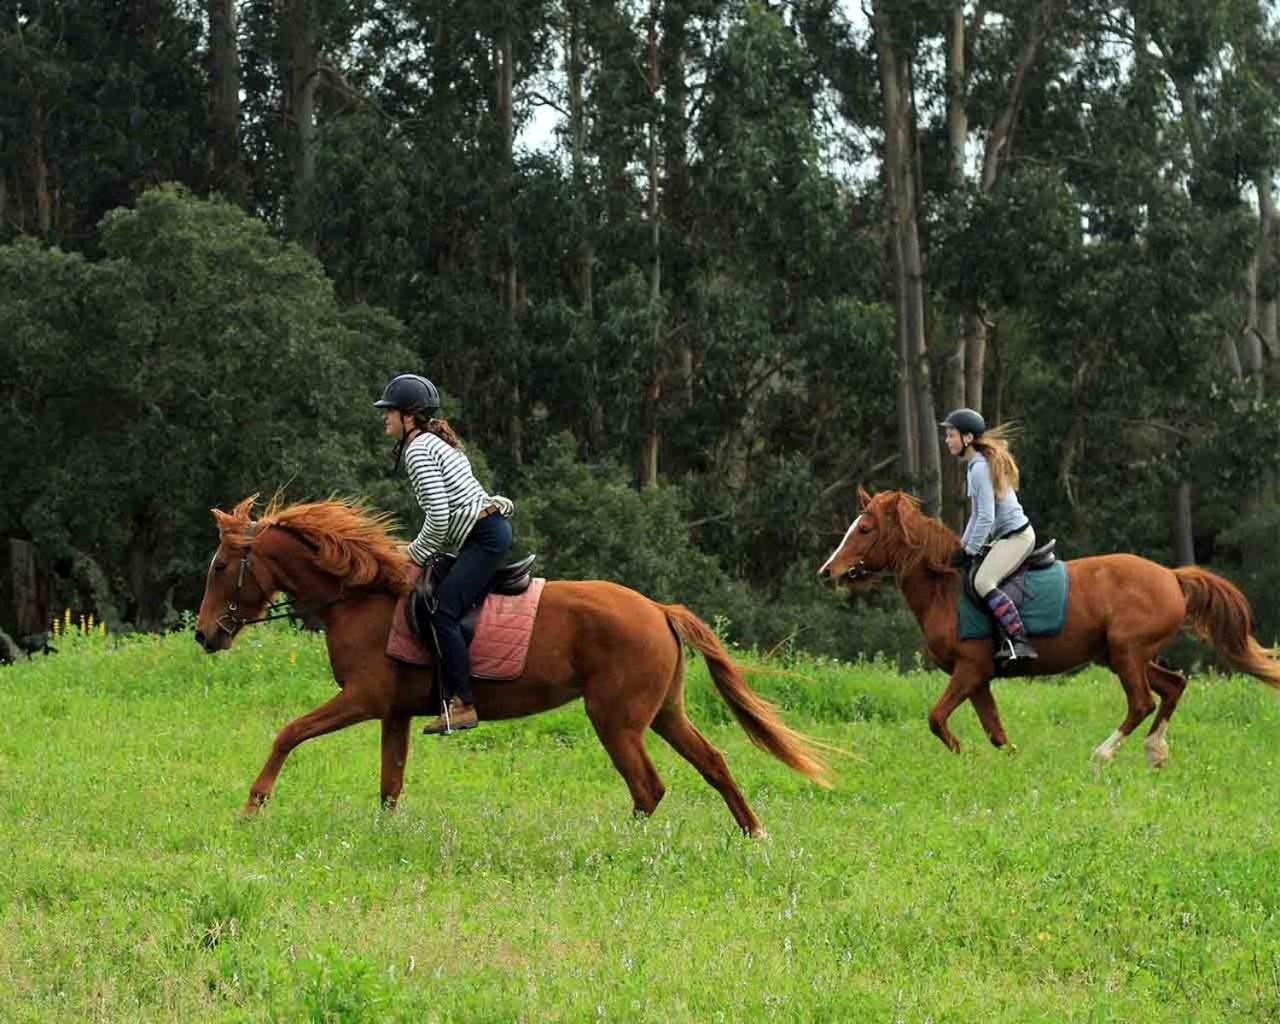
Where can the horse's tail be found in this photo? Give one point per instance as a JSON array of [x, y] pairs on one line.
[[1219, 613], [759, 718]]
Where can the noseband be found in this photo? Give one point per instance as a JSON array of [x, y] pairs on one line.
[[858, 572]]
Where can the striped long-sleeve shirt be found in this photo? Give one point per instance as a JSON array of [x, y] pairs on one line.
[[449, 494]]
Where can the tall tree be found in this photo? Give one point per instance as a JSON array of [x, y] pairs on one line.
[[901, 178], [226, 168]]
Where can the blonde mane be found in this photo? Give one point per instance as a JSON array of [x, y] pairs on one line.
[[352, 542]]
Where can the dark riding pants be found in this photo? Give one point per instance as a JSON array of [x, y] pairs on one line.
[[481, 553]]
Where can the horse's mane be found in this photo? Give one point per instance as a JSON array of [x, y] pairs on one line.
[[918, 539], [350, 541]]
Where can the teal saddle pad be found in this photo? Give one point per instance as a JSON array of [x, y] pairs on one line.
[[1043, 606]]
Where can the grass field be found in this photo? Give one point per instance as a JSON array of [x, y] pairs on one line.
[[513, 885]]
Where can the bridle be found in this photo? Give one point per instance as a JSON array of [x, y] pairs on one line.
[[858, 572], [284, 610]]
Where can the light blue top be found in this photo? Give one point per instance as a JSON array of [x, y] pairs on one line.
[[991, 518]]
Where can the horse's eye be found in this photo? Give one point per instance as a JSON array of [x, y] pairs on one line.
[[865, 527], [219, 566]]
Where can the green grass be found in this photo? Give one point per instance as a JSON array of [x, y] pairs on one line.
[[513, 885]]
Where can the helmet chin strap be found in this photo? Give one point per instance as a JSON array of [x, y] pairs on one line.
[[407, 430]]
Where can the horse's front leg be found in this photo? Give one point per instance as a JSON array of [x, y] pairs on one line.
[[334, 714], [984, 703], [965, 680]]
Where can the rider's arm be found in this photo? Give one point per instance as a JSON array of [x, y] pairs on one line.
[[426, 474], [983, 516]]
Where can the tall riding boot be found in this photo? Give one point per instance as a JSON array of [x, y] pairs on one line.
[[1011, 636]]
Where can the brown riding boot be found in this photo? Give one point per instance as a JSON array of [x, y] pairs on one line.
[[456, 717]]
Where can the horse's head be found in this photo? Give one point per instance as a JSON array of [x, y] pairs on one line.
[[238, 586], [874, 542]]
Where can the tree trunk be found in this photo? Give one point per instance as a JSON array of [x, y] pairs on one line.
[[908, 448], [909, 273], [302, 80], [905, 410], [993, 162], [39, 167], [676, 186], [510, 284], [653, 391], [575, 68], [957, 108], [1184, 552], [965, 370], [1264, 304], [24, 603], [226, 170], [954, 381]]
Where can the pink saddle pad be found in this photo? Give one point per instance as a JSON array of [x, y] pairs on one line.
[[503, 632]]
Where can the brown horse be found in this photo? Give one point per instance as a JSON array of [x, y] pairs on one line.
[[1121, 611], [618, 650]]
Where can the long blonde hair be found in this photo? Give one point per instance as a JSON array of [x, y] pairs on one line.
[[994, 444]]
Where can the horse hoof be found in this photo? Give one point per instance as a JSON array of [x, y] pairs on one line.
[[1157, 754], [759, 832]]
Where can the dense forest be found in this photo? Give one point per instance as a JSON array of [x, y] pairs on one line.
[[688, 272]]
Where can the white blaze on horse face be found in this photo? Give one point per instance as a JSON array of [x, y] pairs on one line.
[[840, 547]]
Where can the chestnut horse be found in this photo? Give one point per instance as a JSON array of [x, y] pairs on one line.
[[1121, 611], [616, 649]]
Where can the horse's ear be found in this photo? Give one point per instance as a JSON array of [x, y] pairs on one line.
[[244, 509], [902, 509], [864, 499]]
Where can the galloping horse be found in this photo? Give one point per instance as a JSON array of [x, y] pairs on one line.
[[618, 650], [1121, 611]]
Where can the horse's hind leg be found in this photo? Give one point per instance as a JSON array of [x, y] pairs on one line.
[[1131, 667], [334, 714], [395, 752], [1169, 684], [674, 726], [621, 731]]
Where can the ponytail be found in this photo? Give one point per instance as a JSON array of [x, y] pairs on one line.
[[440, 427]]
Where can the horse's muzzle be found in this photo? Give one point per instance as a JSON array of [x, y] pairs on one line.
[[210, 642], [854, 574]]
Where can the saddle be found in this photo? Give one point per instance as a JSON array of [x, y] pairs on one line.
[[1014, 585], [510, 579]]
